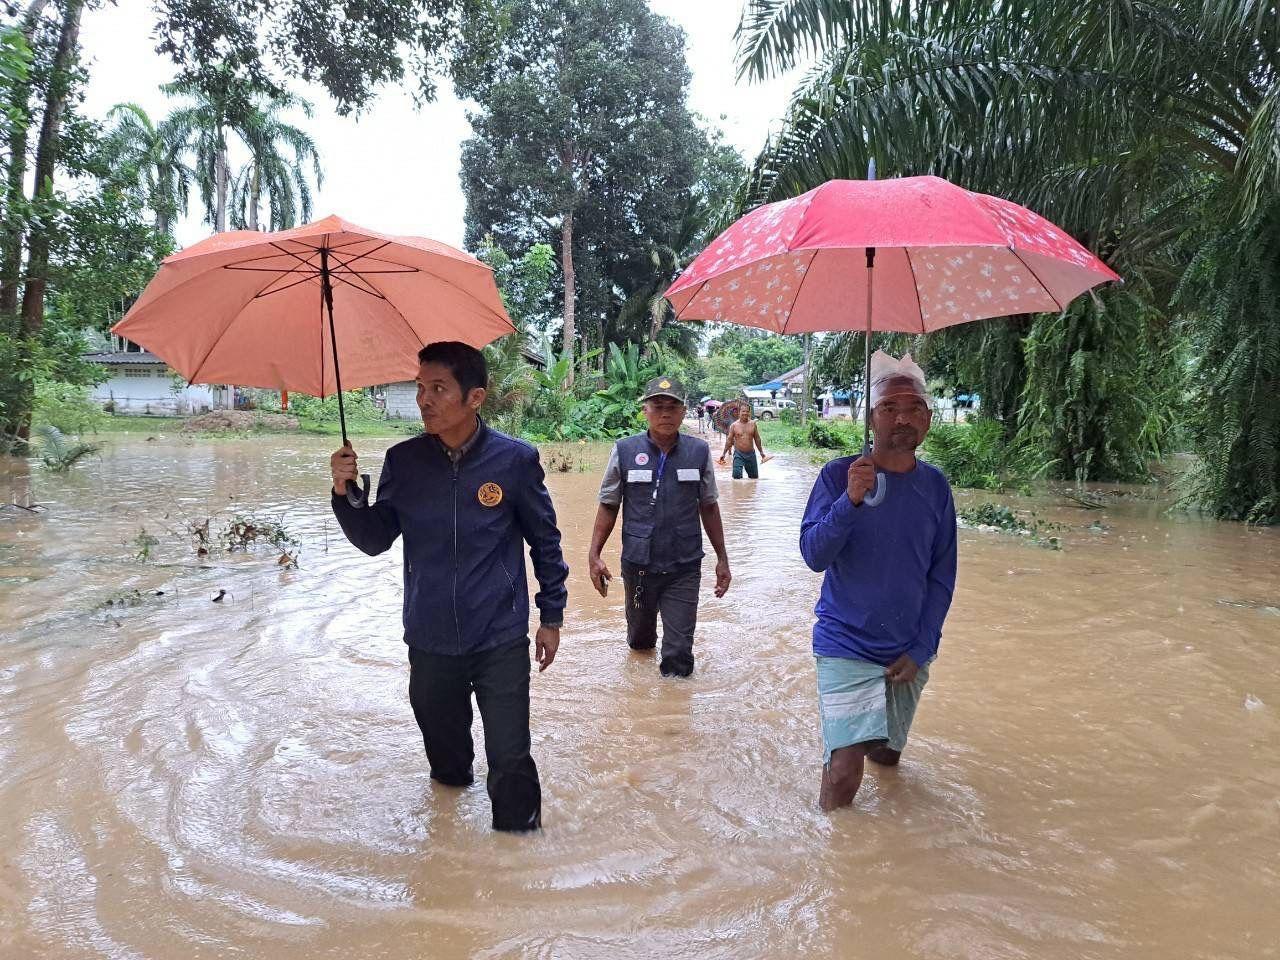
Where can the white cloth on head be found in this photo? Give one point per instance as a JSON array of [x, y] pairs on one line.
[[890, 377]]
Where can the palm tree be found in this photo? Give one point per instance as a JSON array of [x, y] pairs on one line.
[[283, 179], [205, 128], [148, 157], [1150, 131]]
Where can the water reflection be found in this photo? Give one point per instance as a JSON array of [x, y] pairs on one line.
[[1091, 772]]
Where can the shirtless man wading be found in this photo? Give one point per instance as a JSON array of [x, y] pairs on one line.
[[743, 435]]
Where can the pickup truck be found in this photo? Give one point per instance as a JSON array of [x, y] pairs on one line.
[[771, 409]]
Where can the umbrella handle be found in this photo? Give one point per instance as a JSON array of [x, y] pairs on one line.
[[882, 488], [875, 498], [358, 493]]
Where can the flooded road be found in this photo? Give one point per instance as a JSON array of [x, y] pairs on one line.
[[1092, 774]]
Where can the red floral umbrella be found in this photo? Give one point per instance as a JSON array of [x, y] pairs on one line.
[[935, 254]]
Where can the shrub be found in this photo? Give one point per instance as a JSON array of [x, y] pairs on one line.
[[358, 405], [67, 407], [977, 455], [824, 436]]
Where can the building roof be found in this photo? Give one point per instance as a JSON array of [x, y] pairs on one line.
[[793, 375], [117, 358]]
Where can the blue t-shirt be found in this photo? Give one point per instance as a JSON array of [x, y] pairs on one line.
[[890, 570]]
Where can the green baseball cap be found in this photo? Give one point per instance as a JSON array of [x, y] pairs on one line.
[[664, 387]]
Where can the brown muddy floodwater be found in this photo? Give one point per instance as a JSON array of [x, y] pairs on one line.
[[1093, 773]]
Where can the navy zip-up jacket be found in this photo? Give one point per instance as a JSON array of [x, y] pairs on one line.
[[464, 528]]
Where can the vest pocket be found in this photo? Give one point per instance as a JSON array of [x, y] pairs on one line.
[[637, 542]]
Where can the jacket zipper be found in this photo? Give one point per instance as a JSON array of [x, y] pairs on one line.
[[510, 582], [456, 625]]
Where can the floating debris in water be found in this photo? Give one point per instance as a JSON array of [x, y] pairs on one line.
[[123, 599], [220, 595], [1262, 606], [242, 533], [143, 544], [996, 517], [1252, 703]]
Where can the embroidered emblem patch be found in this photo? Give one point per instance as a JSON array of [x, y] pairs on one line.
[[489, 494], [641, 459], [665, 384]]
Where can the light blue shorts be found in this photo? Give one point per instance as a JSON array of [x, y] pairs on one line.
[[858, 705]]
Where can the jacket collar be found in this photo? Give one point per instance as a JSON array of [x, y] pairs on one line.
[[653, 443], [473, 441]]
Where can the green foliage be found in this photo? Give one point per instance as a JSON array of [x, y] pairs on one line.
[[824, 436], [67, 407], [1103, 388], [357, 404], [725, 376], [57, 453], [1232, 297], [511, 380], [245, 532], [977, 455], [143, 544], [53, 356], [525, 283], [146, 159], [762, 357], [279, 157], [351, 51]]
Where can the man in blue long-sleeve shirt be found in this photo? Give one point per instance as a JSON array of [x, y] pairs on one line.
[[890, 572], [466, 499]]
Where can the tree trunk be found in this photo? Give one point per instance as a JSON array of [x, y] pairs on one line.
[[220, 187], [46, 165], [38, 240], [255, 191], [566, 265], [11, 232]]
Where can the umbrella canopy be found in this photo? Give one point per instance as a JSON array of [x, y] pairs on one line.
[[929, 253], [727, 412], [944, 255], [248, 308]]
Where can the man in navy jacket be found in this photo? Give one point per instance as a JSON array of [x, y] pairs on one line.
[[466, 499]]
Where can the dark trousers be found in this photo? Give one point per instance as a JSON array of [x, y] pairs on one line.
[[675, 597], [440, 688], [747, 460]]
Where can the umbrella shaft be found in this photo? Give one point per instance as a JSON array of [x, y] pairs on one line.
[[866, 369], [326, 298]]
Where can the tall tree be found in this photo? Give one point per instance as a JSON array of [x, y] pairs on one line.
[[225, 52], [147, 156], [204, 127], [279, 156], [581, 138]]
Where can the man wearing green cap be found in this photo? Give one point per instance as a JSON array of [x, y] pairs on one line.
[[665, 486]]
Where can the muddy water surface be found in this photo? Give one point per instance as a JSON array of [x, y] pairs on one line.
[[1093, 771]]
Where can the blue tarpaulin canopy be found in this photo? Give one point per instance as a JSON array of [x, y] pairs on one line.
[[771, 385]]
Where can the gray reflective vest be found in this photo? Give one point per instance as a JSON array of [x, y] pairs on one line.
[[661, 524]]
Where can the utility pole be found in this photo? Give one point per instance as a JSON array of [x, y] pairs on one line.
[[804, 397]]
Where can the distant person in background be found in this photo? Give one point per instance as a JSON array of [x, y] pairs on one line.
[[744, 437], [702, 412]]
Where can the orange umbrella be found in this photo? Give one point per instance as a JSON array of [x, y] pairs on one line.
[[251, 308]]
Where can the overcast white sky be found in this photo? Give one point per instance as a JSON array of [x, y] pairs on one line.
[[395, 169]]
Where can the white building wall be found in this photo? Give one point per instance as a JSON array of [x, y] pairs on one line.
[[149, 389], [402, 400]]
